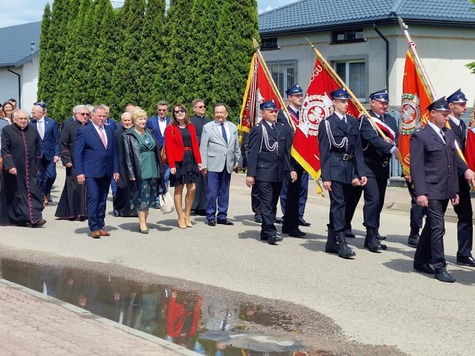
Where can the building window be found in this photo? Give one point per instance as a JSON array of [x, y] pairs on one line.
[[284, 74], [353, 73], [347, 36], [268, 44]]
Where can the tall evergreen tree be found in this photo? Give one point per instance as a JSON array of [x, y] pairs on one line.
[[47, 66], [105, 55], [150, 62], [56, 47], [126, 70], [74, 86], [178, 48], [237, 26]]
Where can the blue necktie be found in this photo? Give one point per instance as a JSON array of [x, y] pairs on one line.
[[223, 131]]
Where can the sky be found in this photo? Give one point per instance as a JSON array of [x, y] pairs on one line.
[[16, 12]]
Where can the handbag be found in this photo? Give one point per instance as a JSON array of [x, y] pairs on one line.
[[163, 155], [166, 203]]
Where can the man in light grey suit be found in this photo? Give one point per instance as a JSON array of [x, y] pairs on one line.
[[220, 154]]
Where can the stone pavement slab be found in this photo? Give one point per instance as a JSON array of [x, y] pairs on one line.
[[34, 324]]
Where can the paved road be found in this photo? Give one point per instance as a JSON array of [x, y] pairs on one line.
[[375, 298]]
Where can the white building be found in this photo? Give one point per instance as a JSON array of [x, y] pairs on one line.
[[19, 63]]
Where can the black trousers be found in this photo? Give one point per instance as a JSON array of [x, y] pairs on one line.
[[291, 215], [268, 195], [255, 201], [417, 211], [430, 248], [340, 194], [464, 224]]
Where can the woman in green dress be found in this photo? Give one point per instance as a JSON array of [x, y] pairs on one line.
[[143, 166]]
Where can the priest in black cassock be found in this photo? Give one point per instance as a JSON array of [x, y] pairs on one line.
[[21, 153], [72, 204]]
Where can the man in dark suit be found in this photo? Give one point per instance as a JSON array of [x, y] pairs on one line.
[[435, 169], [96, 162], [269, 158], [158, 124], [342, 166], [49, 133], [300, 192], [220, 154], [377, 155], [458, 106], [199, 120]]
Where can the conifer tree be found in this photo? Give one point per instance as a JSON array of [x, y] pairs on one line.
[[237, 25], [56, 46], [47, 66], [126, 70], [151, 56], [105, 55], [178, 48], [73, 88]]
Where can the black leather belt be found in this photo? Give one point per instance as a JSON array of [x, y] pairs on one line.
[[378, 163], [344, 156]]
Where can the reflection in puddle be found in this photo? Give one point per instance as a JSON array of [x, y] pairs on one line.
[[208, 323]]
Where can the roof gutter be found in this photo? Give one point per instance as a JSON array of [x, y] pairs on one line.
[[387, 52], [19, 85]]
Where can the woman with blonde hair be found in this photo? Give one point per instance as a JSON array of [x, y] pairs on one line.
[[143, 167], [183, 155]]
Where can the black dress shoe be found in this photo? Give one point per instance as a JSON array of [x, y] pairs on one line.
[[379, 236], [271, 240], [332, 249], [344, 251], [279, 221], [349, 234], [258, 219], [39, 223], [413, 240], [225, 222], [200, 212], [466, 261], [115, 213], [444, 276], [211, 223], [424, 268], [302, 222], [297, 233]]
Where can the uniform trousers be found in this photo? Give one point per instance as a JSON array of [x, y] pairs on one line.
[[97, 190], [47, 176], [218, 191], [464, 224], [340, 194], [268, 196], [430, 248], [417, 211], [291, 215], [255, 203], [302, 193]]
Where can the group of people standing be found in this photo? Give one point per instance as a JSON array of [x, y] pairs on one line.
[[141, 157], [354, 159]]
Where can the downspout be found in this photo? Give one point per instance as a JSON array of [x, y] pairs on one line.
[[387, 53], [19, 86]]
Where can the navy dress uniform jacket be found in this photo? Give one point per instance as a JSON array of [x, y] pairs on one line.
[[333, 166], [435, 166], [263, 164]]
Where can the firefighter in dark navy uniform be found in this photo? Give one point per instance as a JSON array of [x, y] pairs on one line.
[[458, 105], [435, 171], [342, 166], [268, 159], [377, 154]]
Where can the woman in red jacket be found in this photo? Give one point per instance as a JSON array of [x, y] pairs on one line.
[[183, 155]]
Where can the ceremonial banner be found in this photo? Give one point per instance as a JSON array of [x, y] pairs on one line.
[[315, 107], [416, 96], [470, 143], [258, 90]]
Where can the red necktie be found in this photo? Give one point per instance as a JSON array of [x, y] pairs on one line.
[[103, 136]]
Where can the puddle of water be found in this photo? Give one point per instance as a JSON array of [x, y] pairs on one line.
[[205, 323], [206, 319]]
